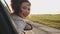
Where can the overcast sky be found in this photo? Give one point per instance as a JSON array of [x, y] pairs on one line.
[[44, 6]]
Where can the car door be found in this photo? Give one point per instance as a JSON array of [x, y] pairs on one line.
[[7, 25]]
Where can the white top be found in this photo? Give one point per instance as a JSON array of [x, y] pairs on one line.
[[20, 23]]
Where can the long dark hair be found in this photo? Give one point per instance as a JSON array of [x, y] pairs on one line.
[[16, 4]]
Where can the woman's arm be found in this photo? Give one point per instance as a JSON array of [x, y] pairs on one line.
[[28, 26]]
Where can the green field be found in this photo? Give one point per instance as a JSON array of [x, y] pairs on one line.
[[46, 19]]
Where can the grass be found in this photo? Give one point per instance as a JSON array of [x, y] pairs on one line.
[[46, 19]]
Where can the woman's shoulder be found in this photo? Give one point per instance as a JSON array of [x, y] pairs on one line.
[[15, 17]]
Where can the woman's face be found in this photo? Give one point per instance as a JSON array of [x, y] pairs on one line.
[[25, 9]]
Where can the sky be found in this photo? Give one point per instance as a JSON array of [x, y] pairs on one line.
[[44, 6]]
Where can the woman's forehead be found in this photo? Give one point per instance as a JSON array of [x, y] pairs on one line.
[[25, 4]]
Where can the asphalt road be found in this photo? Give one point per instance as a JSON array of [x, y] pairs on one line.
[[42, 29]]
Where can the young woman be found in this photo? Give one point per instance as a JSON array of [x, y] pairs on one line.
[[21, 10]]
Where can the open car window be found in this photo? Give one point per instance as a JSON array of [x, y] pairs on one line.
[[7, 25]]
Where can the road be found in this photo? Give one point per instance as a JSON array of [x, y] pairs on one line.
[[42, 29]]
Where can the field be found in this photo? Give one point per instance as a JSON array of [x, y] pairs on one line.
[[46, 19]]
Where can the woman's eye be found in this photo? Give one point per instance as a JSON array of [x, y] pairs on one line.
[[29, 9], [24, 7]]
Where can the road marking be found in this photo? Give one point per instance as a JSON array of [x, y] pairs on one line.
[[32, 32]]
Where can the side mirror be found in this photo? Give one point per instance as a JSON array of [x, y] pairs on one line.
[[28, 27]]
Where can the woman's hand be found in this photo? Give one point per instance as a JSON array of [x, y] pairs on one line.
[[28, 27]]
